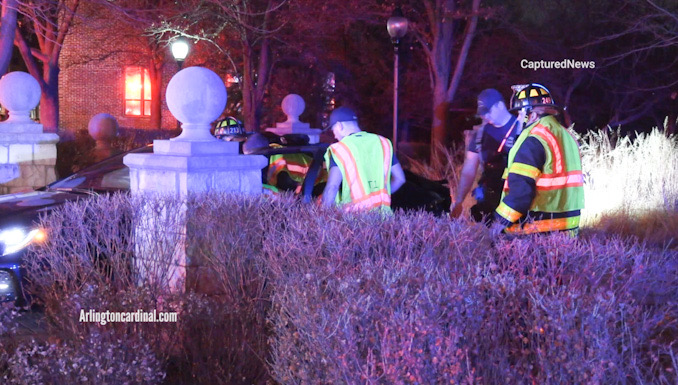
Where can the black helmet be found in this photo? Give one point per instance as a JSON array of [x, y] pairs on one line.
[[530, 96], [230, 129]]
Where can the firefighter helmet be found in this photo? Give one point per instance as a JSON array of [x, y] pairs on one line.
[[230, 129], [530, 96]]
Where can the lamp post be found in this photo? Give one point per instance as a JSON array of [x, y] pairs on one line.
[[179, 51], [397, 28]]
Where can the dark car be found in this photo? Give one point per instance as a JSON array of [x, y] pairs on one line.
[[19, 213]]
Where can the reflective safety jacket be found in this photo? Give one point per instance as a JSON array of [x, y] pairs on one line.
[[364, 160], [296, 165], [544, 189]]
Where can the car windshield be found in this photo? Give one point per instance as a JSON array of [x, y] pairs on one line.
[[108, 175]]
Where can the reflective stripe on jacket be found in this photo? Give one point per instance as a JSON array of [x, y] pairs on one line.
[[296, 165], [557, 184], [364, 160]]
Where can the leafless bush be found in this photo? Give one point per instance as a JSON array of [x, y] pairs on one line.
[[101, 358], [627, 177], [413, 299], [122, 254], [303, 294]]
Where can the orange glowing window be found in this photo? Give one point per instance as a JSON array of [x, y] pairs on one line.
[[137, 92]]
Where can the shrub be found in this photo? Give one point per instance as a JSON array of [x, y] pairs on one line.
[[120, 253], [629, 178], [414, 299], [303, 294], [101, 358]]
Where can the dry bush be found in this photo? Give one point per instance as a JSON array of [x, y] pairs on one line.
[[628, 178], [631, 185], [415, 299], [447, 168], [101, 358], [303, 294], [120, 253]]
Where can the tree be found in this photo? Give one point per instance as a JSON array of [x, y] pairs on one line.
[[436, 27], [443, 29], [48, 21], [244, 32], [640, 58], [7, 31]]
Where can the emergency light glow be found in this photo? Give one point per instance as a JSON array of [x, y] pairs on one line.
[[16, 239], [4, 286]]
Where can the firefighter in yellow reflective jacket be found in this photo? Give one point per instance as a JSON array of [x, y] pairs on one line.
[[543, 190], [287, 171], [363, 171]]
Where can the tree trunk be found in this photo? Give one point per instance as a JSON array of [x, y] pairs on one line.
[[7, 31], [49, 100], [444, 81], [439, 130], [155, 73], [250, 118]]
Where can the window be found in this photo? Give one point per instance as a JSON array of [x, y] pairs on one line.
[[137, 92]]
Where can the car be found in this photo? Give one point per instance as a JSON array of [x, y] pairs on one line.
[[19, 213]]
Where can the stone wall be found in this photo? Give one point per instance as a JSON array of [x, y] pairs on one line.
[[34, 163]]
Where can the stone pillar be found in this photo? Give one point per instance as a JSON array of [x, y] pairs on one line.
[[293, 106], [103, 128], [27, 154], [193, 162]]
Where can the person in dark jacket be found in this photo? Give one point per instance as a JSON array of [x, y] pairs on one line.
[[488, 147]]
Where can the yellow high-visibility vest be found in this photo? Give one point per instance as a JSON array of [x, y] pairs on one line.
[[364, 160]]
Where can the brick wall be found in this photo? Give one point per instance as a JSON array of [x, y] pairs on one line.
[[91, 80]]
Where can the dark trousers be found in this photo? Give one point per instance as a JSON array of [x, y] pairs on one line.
[[483, 211]]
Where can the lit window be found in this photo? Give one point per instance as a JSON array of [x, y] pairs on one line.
[[137, 92]]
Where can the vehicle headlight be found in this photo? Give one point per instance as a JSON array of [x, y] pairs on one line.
[[15, 239], [5, 282]]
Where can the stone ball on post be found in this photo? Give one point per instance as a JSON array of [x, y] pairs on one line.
[[103, 127], [293, 106], [196, 96], [19, 94]]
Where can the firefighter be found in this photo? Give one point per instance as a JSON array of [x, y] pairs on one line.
[[363, 171], [489, 145], [286, 172], [543, 191]]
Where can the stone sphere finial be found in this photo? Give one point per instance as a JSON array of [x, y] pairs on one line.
[[293, 105], [19, 94], [103, 127], [196, 96]]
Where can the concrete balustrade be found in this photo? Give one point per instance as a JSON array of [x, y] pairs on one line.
[[293, 106], [103, 128], [27, 153], [193, 162]]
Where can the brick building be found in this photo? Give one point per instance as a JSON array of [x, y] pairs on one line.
[[106, 67]]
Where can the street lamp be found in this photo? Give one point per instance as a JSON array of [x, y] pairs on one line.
[[397, 28], [180, 50]]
